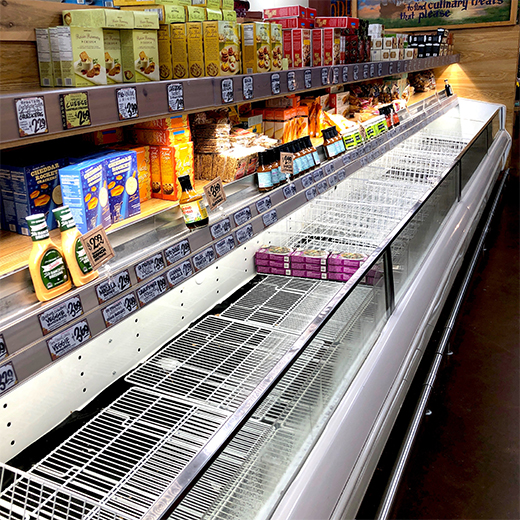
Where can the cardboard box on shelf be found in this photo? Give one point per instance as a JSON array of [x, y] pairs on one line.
[[55, 56], [142, 154], [86, 17], [284, 12], [43, 46], [213, 14], [228, 5], [164, 44], [337, 21], [294, 22], [113, 60], [146, 20], [140, 55], [331, 46], [229, 48], [229, 15], [195, 50], [195, 14], [174, 121], [301, 47], [318, 45], [155, 171], [152, 8], [211, 48], [178, 33], [276, 46], [287, 46], [174, 14], [117, 19], [256, 47], [119, 3]]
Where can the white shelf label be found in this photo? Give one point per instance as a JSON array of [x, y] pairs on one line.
[[263, 204], [177, 252], [289, 191], [247, 88], [310, 193], [227, 91], [244, 234], [225, 245], [379, 69], [119, 310], [151, 290], [179, 273], [30, 113], [69, 339], [275, 84], [324, 76], [3, 347], [307, 181], [355, 72], [333, 180], [307, 77], [270, 218], [60, 315], [220, 228], [372, 70], [127, 103], [287, 163], [317, 175], [113, 286], [175, 97], [7, 377], [365, 71], [203, 259], [329, 168], [344, 74], [335, 75], [242, 216], [291, 81], [342, 175], [322, 187], [149, 267]]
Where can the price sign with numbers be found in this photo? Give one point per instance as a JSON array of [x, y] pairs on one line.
[[344, 74], [127, 103], [7, 377], [75, 111], [119, 310], [355, 72], [69, 339], [335, 75], [61, 314], [399, 64], [179, 273], [113, 286], [391, 68], [365, 71], [151, 290], [307, 76], [275, 84], [247, 87], [227, 91], [289, 191], [372, 70], [286, 163], [30, 113], [324, 76], [97, 247], [215, 194], [150, 266], [242, 216], [3, 348], [175, 93], [291, 81]]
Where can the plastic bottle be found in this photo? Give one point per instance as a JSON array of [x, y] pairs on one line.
[[73, 251], [46, 263], [192, 206], [265, 180], [447, 88]]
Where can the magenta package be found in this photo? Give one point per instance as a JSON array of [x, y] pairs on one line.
[[347, 259], [283, 272], [271, 263], [315, 274], [274, 253], [339, 268], [310, 256], [340, 277], [263, 269], [310, 267]]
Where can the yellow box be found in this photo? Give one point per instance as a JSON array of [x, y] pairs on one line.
[[164, 42], [227, 4], [112, 45], [146, 20], [117, 19], [133, 2], [276, 46], [155, 8], [155, 170], [213, 14], [256, 47], [213, 4], [184, 3], [55, 56], [229, 15], [195, 50], [140, 55], [178, 33], [229, 48], [84, 17], [211, 48], [195, 14], [174, 14], [198, 3]]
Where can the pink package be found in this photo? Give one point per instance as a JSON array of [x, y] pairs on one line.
[[315, 274], [310, 256], [341, 277], [263, 269], [311, 267], [339, 268], [300, 273], [271, 263], [283, 272], [274, 253], [347, 259]]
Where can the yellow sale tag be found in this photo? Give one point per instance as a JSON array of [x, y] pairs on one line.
[[75, 111]]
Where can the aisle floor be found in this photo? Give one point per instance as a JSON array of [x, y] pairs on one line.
[[465, 464]]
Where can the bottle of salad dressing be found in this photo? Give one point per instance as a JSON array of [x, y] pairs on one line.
[[46, 263], [75, 255]]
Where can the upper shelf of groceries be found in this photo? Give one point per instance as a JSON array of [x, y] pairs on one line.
[[139, 63]]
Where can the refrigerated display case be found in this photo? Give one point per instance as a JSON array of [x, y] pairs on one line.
[[277, 403]]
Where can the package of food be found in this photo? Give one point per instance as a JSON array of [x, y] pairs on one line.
[[230, 15], [318, 46], [195, 14], [168, 137], [146, 20], [155, 171], [174, 121], [229, 48], [85, 17], [140, 55], [152, 8], [56, 56], [142, 154], [211, 48], [133, 2], [275, 253], [179, 50], [256, 47], [310, 256], [214, 15], [331, 46], [117, 19], [301, 48], [337, 21], [195, 50], [164, 44], [276, 46], [284, 12], [174, 14], [294, 22], [168, 175], [347, 259], [43, 46], [112, 43]]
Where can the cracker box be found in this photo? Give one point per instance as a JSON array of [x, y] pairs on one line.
[[168, 175], [119, 3], [179, 51], [55, 56], [276, 46], [339, 277], [271, 263], [112, 43], [155, 171], [227, 5], [229, 48], [284, 12], [123, 185], [85, 17], [8, 206], [142, 154], [287, 46], [117, 19], [340, 268], [214, 4], [169, 137], [195, 14], [174, 121], [317, 47], [293, 23], [35, 188], [146, 20], [155, 8], [337, 21], [310, 256], [211, 48], [84, 190], [174, 14], [256, 47], [43, 46], [195, 50], [140, 56], [331, 41], [214, 14], [230, 15], [165, 51], [301, 47]]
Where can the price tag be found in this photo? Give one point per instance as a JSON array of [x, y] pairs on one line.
[[365, 71], [333, 180], [225, 245], [7, 377], [119, 310], [247, 88], [399, 64], [263, 204], [324, 76], [275, 84], [355, 72], [310, 193], [149, 267], [307, 77], [177, 252], [242, 216], [69, 339], [372, 70], [151, 290], [215, 194], [344, 74], [322, 186], [179, 273], [3, 347], [98, 248], [306, 181], [329, 168], [289, 191], [342, 175], [74, 110], [203, 259], [30, 113], [317, 175], [113, 286], [286, 163], [391, 68], [345, 159], [244, 234], [379, 69], [291, 81], [270, 218], [175, 93], [335, 75], [227, 90], [127, 103], [220, 228], [60, 315]]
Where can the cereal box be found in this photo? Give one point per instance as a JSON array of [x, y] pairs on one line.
[[112, 42], [301, 47], [211, 48], [317, 47], [123, 185], [84, 190], [43, 46], [155, 171], [195, 50], [140, 55], [256, 47], [229, 48], [276, 46], [179, 51], [165, 51]]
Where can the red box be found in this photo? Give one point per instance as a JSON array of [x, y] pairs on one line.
[[337, 21], [317, 47], [331, 46], [301, 48], [293, 22], [287, 46], [284, 12], [311, 13]]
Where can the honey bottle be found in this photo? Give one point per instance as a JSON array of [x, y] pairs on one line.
[[263, 172], [192, 205], [314, 153]]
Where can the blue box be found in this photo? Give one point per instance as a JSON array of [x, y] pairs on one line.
[[84, 190]]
